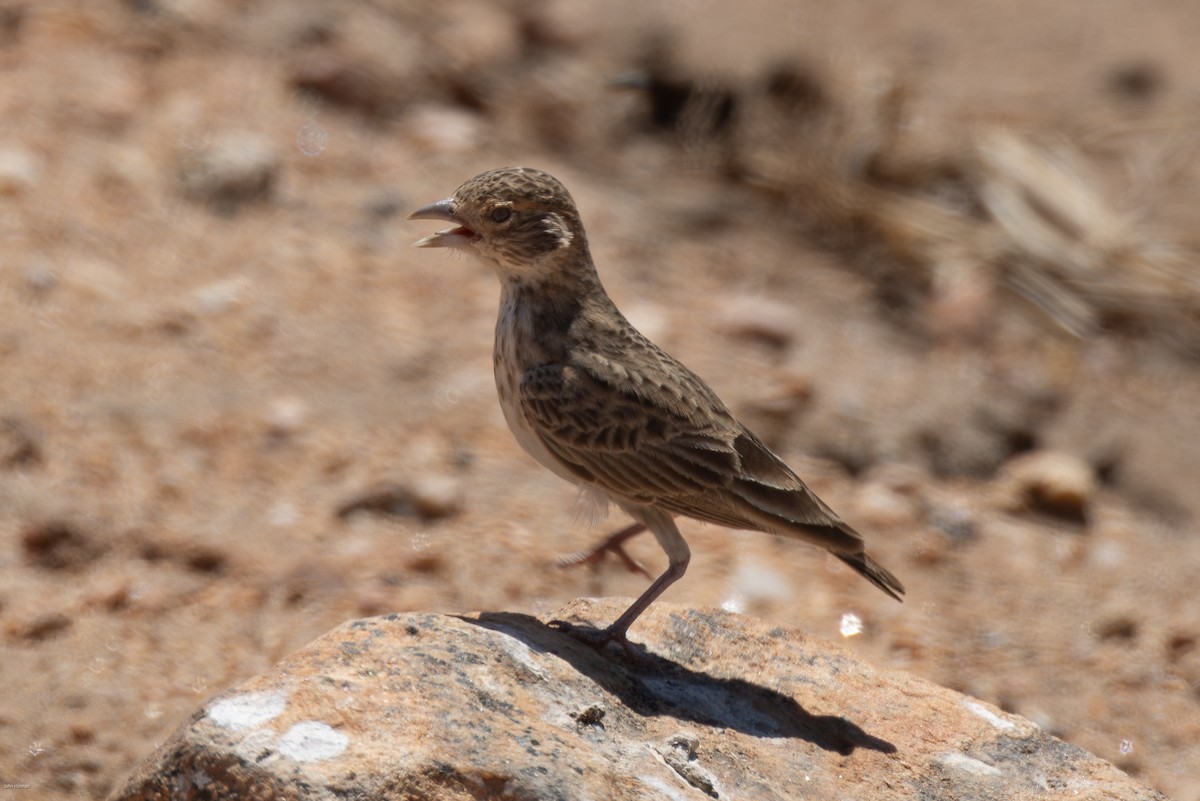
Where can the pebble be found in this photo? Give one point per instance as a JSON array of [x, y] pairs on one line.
[[760, 319], [220, 296], [42, 627], [234, 169], [1052, 481], [476, 35], [20, 170], [111, 594], [957, 521], [58, 545], [557, 23], [790, 391], [20, 444], [964, 306], [40, 277], [286, 416], [430, 496], [448, 131], [436, 496], [1120, 626], [81, 733], [879, 506], [346, 81]]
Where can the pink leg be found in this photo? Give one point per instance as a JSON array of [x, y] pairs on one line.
[[614, 544], [617, 630], [678, 556]]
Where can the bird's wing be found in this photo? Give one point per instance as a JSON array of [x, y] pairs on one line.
[[655, 434], [613, 430], [773, 496]]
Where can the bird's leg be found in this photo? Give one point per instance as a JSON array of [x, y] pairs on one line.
[[678, 556], [613, 544]]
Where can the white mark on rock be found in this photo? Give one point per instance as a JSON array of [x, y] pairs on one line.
[[312, 740], [248, 709], [968, 764], [991, 717]]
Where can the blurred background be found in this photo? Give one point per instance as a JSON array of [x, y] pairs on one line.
[[940, 255]]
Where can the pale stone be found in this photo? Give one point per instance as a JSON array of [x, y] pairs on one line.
[[1051, 481]]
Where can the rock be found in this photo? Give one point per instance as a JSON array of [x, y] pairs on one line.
[[20, 171], [435, 495], [219, 297], [43, 626], [444, 130], [197, 556], [286, 416], [361, 62], [761, 319], [877, 505], [1136, 81], [1051, 481], [342, 80], [474, 35], [12, 24], [500, 705], [20, 444], [964, 304], [773, 412], [428, 497], [1003, 420], [844, 434], [59, 545], [235, 169], [556, 23]]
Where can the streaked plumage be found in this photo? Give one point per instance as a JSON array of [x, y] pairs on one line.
[[600, 405]]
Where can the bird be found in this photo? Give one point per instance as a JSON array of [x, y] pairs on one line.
[[596, 402]]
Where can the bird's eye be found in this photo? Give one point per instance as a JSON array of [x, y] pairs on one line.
[[501, 214]]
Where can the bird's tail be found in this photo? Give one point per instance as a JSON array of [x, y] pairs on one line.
[[874, 572]]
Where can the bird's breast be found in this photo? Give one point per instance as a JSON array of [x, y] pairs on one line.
[[516, 351]]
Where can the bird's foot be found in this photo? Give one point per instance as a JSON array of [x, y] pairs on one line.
[[614, 544], [594, 637], [595, 555], [597, 638]]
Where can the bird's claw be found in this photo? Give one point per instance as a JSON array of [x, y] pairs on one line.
[[594, 637], [597, 638], [596, 554]]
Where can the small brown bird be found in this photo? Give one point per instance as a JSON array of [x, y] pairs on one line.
[[600, 405]]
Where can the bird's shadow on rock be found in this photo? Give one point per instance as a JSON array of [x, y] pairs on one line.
[[650, 685]]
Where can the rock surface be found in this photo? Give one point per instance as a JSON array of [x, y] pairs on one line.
[[498, 705]]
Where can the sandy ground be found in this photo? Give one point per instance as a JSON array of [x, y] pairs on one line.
[[237, 409]]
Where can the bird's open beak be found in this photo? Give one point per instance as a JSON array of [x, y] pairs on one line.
[[452, 238]]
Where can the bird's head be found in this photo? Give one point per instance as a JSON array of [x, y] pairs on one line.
[[518, 220]]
